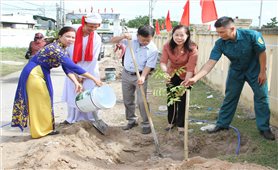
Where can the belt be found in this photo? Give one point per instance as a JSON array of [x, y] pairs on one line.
[[132, 73]]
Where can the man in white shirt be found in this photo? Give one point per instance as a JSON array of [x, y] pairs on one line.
[[84, 53]]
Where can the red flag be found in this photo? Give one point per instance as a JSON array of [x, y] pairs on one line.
[[208, 10], [157, 31], [168, 22], [185, 15]]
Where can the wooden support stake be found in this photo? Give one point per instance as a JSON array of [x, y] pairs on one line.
[[186, 122]]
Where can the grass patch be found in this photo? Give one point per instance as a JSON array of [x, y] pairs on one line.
[[258, 150], [12, 54]]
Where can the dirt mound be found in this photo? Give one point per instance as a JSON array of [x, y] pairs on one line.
[[80, 146]]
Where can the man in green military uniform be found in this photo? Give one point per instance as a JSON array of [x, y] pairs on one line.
[[246, 51]]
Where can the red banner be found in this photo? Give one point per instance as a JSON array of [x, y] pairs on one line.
[[157, 31], [208, 10], [185, 15], [168, 22]]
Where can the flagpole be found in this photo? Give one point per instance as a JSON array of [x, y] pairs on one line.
[[260, 17]]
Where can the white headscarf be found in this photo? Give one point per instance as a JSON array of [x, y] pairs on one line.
[[93, 18]]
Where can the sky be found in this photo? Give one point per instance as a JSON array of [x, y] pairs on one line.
[[129, 9]]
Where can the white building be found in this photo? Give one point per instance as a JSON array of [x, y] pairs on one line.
[[17, 21]]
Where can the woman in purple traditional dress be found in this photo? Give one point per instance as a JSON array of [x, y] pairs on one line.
[[34, 95]]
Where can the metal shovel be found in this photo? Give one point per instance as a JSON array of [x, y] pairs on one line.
[[99, 124]]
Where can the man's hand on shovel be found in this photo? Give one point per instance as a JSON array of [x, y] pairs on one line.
[[141, 80], [120, 47]]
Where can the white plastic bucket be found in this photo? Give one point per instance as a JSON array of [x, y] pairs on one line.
[[98, 98]]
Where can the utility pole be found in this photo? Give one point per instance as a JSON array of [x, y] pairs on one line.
[[58, 16], [151, 8], [63, 13], [260, 17]]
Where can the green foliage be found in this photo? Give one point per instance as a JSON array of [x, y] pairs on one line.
[[175, 92], [138, 21], [159, 74], [272, 24], [159, 92], [52, 33], [12, 54], [76, 21], [179, 71]]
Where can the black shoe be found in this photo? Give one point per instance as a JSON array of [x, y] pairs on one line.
[[169, 127], [146, 130], [54, 132], [267, 134], [217, 129], [130, 126]]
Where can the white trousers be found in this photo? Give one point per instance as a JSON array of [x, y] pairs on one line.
[[74, 115]]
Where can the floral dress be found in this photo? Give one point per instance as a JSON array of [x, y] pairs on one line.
[[34, 95]]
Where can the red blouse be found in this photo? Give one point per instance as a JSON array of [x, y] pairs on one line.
[[179, 58]]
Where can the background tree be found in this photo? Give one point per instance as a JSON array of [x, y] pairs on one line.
[[76, 21], [138, 21], [272, 24]]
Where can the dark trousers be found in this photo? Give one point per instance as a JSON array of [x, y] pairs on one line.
[[176, 112], [234, 84]]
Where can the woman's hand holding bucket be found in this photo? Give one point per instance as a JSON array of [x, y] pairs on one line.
[[78, 87], [89, 76], [98, 82]]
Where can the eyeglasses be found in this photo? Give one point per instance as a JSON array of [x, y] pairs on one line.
[[38, 37]]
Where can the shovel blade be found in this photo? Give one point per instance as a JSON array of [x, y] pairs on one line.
[[101, 126]]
